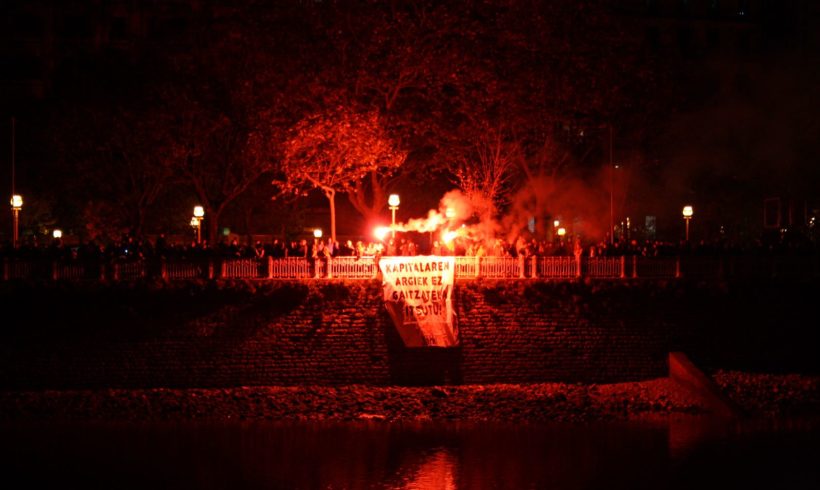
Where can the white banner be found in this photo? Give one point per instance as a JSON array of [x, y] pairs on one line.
[[418, 295]]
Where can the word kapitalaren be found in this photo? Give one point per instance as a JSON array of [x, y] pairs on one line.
[[418, 267]]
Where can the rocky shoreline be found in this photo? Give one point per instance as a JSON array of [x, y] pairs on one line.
[[759, 395]]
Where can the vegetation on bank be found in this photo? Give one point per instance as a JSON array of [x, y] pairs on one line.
[[760, 395]]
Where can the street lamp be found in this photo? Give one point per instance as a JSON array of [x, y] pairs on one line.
[[195, 226], [687, 215], [562, 231], [196, 222], [57, 234], [393, 201], [16, 206], [317, 233]]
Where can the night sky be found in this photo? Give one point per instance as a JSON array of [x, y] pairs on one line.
[[128, 114]]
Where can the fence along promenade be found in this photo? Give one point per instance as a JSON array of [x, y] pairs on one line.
[[466, 268]]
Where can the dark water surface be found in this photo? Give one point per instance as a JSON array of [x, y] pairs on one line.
[[687, 453]]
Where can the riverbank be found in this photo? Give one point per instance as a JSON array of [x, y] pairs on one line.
[[757, 394]]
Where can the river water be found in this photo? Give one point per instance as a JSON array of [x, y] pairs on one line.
[[679, 454]]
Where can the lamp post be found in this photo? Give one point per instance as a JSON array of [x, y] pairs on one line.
[[687, 215], [196, 222], [611, 186], [195, 226], [16, 206], [393, 201]]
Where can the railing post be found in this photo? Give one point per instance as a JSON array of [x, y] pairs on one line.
[[477, 272], [210, 268], [634, 266], [115, 271], [534, 270], [578, 259], [623, 266], [521, 274], [270, 267], [329, 267], [677, 267], [163, 268]]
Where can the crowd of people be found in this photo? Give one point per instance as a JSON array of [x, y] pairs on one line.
[[130, 247]]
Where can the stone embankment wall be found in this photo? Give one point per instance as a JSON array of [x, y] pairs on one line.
[[211, 334]]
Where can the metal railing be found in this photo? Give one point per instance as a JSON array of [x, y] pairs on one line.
[[354, 267], [556, 267], [243, 268], [186, 269], [289, 268], [603, 267], [466, 268]]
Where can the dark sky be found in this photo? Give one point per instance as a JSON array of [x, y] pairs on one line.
[[713, 103]]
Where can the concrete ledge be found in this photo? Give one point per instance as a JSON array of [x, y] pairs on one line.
[[683, 372]]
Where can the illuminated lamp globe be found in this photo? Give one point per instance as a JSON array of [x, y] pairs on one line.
[[199, 211], [393, 200], [17, 201], [562, 231], [194, 221], [317, 233], [688, 211], [57, 234], [556, 223]]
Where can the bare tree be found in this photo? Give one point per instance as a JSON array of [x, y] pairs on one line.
[[485, 171], [219, 156], [116, 153]]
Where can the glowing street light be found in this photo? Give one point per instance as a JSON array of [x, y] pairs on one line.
[[196, 222], [562, 231], [393, 201], [556, 224], [687, 215], [16, 206], [317, 233], [57, 234]]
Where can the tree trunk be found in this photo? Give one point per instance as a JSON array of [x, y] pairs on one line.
[[247, 214], [212, 220], [140, 225], [358, 197], [331, 196]]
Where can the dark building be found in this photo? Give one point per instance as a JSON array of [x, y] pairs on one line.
[[741, 71]]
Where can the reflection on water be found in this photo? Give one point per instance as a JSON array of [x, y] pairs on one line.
[[691, 453], [436, 472]]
